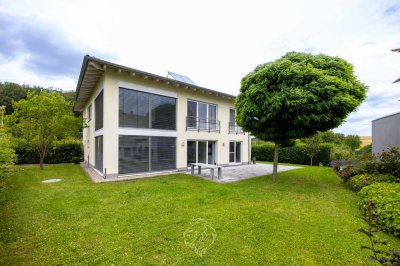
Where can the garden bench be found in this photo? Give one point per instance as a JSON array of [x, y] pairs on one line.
[[207, 166]]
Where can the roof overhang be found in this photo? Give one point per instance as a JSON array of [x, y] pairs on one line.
[[93, 69]]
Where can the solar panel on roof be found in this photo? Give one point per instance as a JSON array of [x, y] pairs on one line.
[[182, 78]]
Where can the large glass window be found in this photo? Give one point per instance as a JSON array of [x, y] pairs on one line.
[[98, 108], [232, 115], [163, 112], [201, 115], [139, 154], [144, 110]]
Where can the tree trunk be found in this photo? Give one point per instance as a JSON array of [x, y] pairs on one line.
[[311, 159], [275, 167], [41, 163], [42, 155]]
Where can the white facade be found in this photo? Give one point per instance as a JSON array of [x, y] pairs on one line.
[[218, 142]]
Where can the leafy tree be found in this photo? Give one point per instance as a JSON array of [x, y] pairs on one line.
[[10, 92], [339, 138], [312, 146], [296, 96], [327, 136], [340, 152], [42, 119], [353, 142], [7, 154]]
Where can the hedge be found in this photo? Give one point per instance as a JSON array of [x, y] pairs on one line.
[[62, 152], [294, 154], [386, 199]]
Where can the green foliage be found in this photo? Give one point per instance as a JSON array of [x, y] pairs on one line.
[[7, 154], [381, 251], [312, 146], [76, 160], [294, 154], [42, 119], [339, 138], [327, 136], [63, 151], [387, 162], [353, 142], [386, 198], [297, 95], [366, 150], [359, 181], [10, 92], [340, 152]]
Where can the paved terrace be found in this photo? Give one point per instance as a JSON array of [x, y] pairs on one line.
[[229, 173], [239, 172]]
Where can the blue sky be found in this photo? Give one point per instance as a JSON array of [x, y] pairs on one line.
[[215, 43]]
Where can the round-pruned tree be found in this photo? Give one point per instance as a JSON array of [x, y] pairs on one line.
[[296, 96]]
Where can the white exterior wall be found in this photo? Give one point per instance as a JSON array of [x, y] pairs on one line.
[[88, 132], [110, 82]]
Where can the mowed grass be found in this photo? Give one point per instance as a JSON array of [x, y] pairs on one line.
[[306, 218]]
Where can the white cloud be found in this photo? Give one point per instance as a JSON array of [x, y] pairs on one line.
[[217, 42]]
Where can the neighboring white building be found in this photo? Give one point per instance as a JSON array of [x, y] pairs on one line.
[[385, 132], [138, 122]]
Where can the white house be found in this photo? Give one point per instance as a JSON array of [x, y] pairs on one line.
[[138, 122]]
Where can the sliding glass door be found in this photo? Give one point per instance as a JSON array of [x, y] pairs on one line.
[[201, 151], [235, 152]]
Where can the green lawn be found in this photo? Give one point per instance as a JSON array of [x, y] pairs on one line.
[[306, 218]]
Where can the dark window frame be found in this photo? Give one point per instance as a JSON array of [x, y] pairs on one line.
[[170, 123], [144, 153], [99, 111]]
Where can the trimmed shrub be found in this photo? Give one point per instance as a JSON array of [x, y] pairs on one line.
[[386, 198], [294, 154], [76, 160], [63, 152], [359, 181]]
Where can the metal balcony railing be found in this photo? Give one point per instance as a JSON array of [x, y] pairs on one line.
[[235, 129], [202, 124]]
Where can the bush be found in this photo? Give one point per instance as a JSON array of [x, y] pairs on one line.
[[343, 168], [62, 152], [359, 181], [365, 150], [294, 154], [387, 162], [340, 152], [386, 198], [76, 160], [7, 154]]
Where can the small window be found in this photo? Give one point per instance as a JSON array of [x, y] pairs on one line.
[[98, 109]]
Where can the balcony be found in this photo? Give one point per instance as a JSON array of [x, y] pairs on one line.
[[202, 124], [235, 129]]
